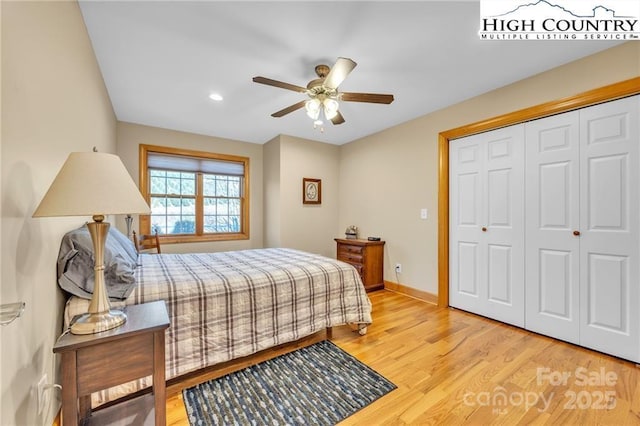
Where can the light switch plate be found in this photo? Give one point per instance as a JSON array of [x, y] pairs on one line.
[[424, 214]]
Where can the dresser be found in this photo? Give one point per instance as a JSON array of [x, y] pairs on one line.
[[367, 257]]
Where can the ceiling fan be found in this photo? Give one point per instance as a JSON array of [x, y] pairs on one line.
[[323, 93]]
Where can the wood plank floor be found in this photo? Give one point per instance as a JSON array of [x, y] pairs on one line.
[[454, 368]]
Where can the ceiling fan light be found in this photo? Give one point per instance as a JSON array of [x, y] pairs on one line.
[[330, 108], [313, 108]]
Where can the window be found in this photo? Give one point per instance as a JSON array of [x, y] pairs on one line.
[[194, 196]]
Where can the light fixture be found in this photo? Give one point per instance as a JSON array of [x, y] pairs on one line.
[[216, 97], [321, 104], [94, 184]]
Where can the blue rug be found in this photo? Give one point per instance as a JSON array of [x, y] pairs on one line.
[[320, 385]]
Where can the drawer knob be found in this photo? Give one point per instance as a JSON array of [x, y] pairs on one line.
[[484, 229], [576, 233]]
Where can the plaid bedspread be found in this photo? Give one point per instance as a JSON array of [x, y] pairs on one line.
[[232, 304]]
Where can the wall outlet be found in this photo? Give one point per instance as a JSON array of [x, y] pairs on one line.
[[42, 395], [398, 268]]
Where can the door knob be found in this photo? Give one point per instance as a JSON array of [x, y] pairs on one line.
[[576, 233]]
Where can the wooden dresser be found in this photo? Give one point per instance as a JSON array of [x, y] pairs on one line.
[[367, 257]]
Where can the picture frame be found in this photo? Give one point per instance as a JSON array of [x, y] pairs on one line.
[[311, 191]]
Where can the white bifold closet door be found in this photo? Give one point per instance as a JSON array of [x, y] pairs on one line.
[[582, 227], [486, 198], [553, 215], [609, 226]]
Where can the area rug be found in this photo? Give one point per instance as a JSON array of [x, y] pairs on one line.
[[320, 385]]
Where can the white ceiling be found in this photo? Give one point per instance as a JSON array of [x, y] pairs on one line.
[[161, 59]]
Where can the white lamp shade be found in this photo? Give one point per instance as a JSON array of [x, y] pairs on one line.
[[313, 108], [89, 184], [330, 108]]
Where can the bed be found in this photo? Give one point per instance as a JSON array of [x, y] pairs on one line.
[[227, 305]]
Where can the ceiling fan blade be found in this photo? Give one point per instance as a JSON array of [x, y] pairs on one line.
[[375, 98], [280, 84], [288, 109], [338, 119], [339, 71]]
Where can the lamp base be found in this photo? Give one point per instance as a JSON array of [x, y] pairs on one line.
[[96, 323]]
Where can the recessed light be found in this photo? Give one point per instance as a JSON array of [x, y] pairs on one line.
[[215, 97]]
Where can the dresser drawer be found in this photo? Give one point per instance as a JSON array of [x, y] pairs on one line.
[[359, 268], [351, 249], [350, 257]]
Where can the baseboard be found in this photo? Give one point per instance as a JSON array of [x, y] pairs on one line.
[[425, 296]]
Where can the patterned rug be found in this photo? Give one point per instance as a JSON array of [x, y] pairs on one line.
[[320, 385]]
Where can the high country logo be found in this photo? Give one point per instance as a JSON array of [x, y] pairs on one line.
[[544, 20]]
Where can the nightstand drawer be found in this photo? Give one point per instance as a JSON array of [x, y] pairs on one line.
[[103, 366]]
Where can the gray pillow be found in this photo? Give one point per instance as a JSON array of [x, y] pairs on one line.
[[125, 243], [76, 263]]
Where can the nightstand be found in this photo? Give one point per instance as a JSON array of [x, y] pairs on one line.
[[98, 361], [367, 257]]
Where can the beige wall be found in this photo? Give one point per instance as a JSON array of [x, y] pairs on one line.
[[308, 227], [130, 136], [386, 178], [53, 102], [271, 186], [289, 222]]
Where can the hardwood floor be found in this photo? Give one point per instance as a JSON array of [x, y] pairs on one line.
[[454, 368]]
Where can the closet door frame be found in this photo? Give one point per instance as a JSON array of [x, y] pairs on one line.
[[607, 93]]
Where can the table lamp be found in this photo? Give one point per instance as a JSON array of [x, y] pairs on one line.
[[94, 184]]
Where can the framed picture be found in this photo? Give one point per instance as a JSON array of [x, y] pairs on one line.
[[311, 191]]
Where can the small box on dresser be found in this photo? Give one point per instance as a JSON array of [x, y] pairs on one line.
[[367, 257]]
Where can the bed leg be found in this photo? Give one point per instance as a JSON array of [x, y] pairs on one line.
[[362, 329], [329, 333]]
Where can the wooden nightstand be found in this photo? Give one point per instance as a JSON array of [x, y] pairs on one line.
[[98, 361], [367, 257]]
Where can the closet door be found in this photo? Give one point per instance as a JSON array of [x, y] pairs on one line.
[[610, 235], [466, 257], [552, 205], [487, 223]]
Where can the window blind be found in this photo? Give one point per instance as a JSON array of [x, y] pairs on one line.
[[181, 163]]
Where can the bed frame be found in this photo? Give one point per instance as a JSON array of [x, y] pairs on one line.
[[177, 384]]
